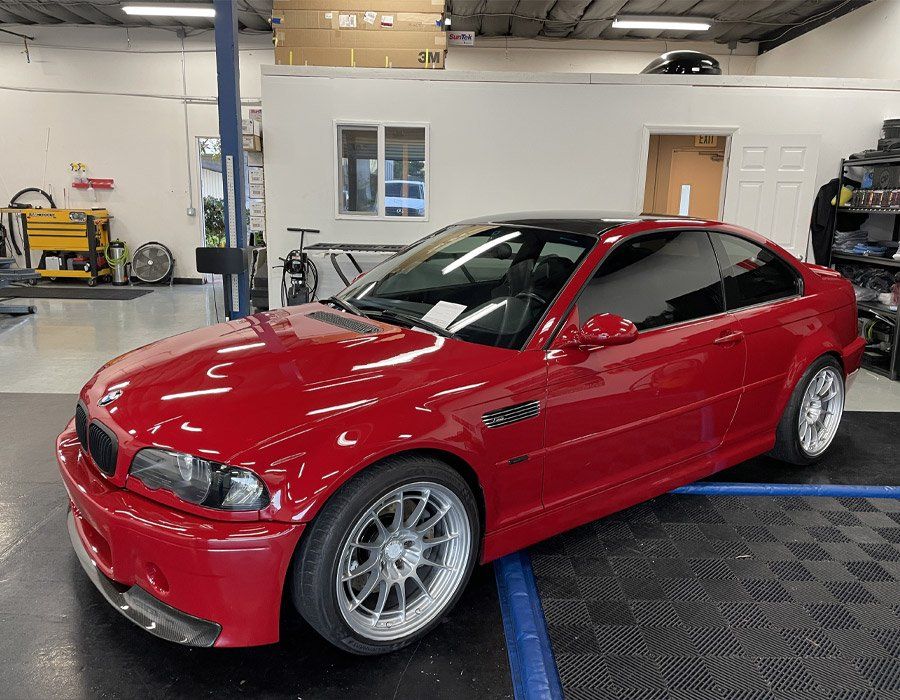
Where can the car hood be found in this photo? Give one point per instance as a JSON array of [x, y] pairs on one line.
[[221, 389]]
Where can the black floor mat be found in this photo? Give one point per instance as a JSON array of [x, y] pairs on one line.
[[717, 597], [73, 292], [864, 452]]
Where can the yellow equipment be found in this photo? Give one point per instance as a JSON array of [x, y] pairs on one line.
[[68, 235]]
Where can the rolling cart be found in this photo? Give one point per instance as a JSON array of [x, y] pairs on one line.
[[72, 235]]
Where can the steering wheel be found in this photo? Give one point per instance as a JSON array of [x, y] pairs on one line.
[[531, 295]]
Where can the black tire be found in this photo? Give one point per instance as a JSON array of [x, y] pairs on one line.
[[317, 558], [787, 435]]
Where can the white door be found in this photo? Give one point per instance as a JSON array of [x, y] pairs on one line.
[[771, 184]]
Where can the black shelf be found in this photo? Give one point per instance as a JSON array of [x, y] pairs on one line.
[[871, 259], [873, 160], [868, 210], [887, 365]]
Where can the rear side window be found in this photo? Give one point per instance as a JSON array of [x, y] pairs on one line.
[[754, 274], [656, 280]]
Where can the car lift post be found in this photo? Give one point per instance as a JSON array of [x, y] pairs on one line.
[[236, 287]]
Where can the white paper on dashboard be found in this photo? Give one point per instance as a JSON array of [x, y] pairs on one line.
[[443, 313]]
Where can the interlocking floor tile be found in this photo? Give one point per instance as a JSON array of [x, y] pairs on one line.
[[694, 597]]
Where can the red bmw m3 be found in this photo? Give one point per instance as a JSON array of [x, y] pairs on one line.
[[498, 382]]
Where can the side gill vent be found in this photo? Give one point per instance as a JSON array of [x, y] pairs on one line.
[[511, 414], [343, 321]]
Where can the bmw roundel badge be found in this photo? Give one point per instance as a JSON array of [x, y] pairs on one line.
[[107, 399]]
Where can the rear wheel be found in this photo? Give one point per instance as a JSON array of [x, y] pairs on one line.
[[388, 555], [813, 415]]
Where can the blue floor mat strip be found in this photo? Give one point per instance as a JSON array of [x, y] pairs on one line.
[[534, 672], [713, 488]]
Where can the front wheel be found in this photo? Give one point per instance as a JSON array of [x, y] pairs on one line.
[[813, 414], [388, 556]]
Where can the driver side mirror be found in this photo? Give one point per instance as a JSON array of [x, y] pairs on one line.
[[605, 329]]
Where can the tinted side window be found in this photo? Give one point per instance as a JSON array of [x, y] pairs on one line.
[[753, 274], [656, 280]]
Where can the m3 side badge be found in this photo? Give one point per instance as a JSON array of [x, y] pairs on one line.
[[107, 399]]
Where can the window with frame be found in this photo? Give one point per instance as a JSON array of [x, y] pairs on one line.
[[753, 274], [382, 171], [656, 280]]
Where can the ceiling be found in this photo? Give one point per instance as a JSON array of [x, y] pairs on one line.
[[769, 22]]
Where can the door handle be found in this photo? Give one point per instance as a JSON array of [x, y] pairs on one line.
[[729, 338]]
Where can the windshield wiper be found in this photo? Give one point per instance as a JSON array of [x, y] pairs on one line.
[[413, 321], [343, 305]]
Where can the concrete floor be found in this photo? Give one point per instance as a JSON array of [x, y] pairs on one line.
[[59, 348]]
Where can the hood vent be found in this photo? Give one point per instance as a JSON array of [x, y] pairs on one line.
[[511, 414], [343, 321]]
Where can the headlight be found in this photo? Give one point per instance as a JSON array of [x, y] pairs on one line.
[[200, 481]]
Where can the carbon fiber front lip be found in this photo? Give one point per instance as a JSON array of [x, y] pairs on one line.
[[143, 609]]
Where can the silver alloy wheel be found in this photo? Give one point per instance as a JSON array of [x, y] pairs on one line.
[[821, 410], [403, 560]]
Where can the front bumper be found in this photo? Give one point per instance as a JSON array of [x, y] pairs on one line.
[[142, 608], [182, 577]]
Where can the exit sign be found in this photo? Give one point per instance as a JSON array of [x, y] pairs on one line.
[[706, 140]]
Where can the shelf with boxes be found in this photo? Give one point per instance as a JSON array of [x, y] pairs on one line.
[[360, 33], [869, 255]]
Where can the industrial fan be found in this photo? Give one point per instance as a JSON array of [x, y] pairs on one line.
[[152, 263]]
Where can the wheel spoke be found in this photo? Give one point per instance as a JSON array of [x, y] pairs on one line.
[[401, 600], [419, 509], [439, 540], [366, 591], [364, 569], [813, 436], [397, 522], [433, 520], [415, 578], [383, 591], [382, 530], [436, 565]]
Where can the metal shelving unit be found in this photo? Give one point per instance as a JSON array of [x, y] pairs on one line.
[[887, 365]]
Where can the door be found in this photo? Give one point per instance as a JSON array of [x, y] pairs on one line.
[[763, 293], [770, 186], [695, 184], [620, 412]]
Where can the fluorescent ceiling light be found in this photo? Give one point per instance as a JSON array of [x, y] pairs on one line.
[[170, 10], [683, 24]]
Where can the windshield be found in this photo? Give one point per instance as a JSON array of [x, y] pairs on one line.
[[409, 190], [481, 283]]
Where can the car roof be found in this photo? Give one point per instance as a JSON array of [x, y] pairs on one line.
[[584, 222]]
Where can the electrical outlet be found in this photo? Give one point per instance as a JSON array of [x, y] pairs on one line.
[[191, 211]]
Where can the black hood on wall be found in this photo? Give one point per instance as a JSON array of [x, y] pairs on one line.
[[683, 63]]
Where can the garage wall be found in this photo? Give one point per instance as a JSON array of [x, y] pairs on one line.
[[120, 111], [861, 44], [577, 56], [507, 142]]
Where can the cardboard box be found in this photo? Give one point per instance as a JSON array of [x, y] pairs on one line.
[[358, 39], [255, 175], [370, 20], [258, 223], [257, 207], [251, 142], [254, 158], [257, 191], [359, 5], [247, 127], [360, 58]]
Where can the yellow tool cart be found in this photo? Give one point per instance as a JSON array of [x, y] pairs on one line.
[[71, 242]]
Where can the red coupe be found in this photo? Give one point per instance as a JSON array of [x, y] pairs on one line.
[[500, 381]]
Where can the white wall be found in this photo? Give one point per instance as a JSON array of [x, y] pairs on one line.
[[508, 142], [119, 110], [587, 56], [861, 44]]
